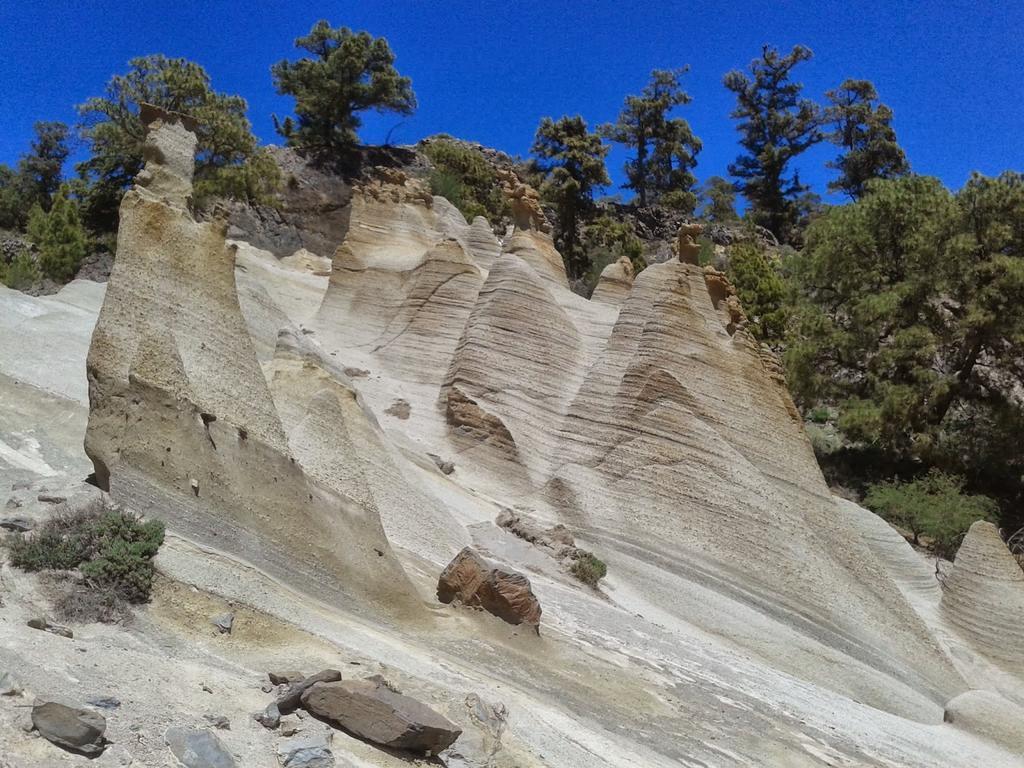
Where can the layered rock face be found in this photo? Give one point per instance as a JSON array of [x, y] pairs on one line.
[[984, 595], [182, 424], [349, 428]]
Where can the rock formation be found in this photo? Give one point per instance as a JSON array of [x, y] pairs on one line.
[[294, 418], [984, 595], [182, 424]]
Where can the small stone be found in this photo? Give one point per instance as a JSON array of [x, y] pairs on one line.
[[9, 685], [198, 749], [17, 524], [218, 721], [290, 725], [13, 503], [50, 498], [285, 678], [206, 688], [445, 466], [267, 688], [224, 622], [305, 752], [76, 730], [269, 717], [104, 702], [53, 629]]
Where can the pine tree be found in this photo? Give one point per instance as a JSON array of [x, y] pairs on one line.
[[776, 125], [719, 198], [666, 148], [115, 134], [348, 73], [59, 236], [863, 128], [572, 161], [40, 169]]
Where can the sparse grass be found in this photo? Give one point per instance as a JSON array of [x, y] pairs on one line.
[[588, 568], [111, 549]]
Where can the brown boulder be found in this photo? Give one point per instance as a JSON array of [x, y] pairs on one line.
[[462, 577], [508, 596], [372, 711], [472, 581]]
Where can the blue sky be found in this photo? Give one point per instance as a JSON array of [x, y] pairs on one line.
[[488, 71]]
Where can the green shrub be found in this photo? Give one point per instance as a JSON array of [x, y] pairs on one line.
[[464, 171], [934, 505], [588, 568], [20, 273], [824, 441], [112, 548]]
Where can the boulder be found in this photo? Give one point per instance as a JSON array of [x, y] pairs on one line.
[[290, 699], [372, 711], [198, 749], [305, 752], [472, 581], [462, 577], [508, 595], [70, 728]]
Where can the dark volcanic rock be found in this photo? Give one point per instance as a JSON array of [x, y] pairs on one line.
[[372, 711], [73, 729], [312, 210]]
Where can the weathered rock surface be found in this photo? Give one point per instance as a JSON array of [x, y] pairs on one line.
[[473, 581], [71, 728], [651, 425], [290, 699], [990, 716], [182, 422], [198, 749], [372, 711], [984, 595]]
